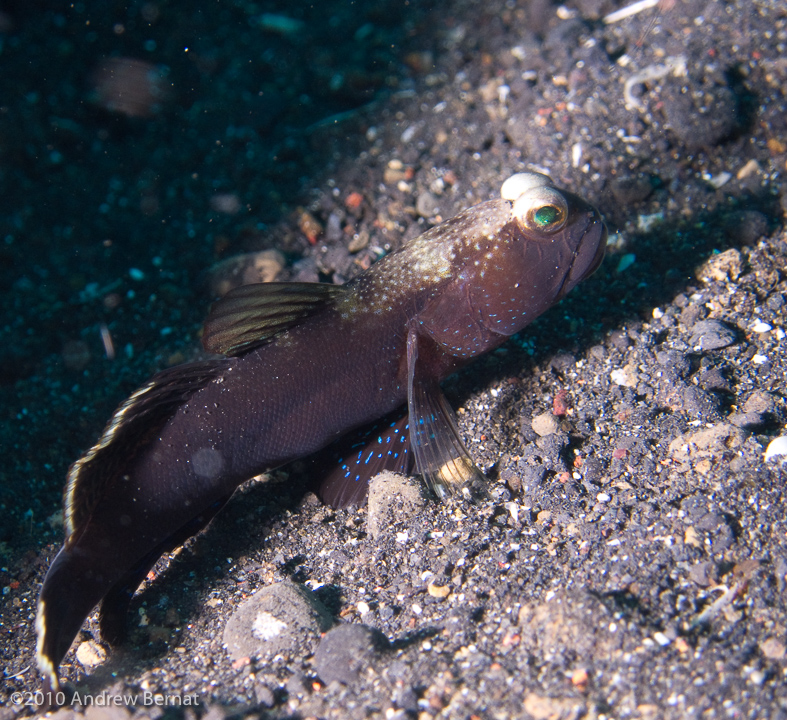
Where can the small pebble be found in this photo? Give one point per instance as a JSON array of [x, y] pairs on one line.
[[395, 173], [631, 189], [746, 420], [752, 166], [625, 262], [646, 223], [712, 335], [757, 677], [698, 403], [438, 591], [773, 649], [704, 445], [278, 617], [281, 24], [580, 679], [760, 402], [225, 203], [359, 241], [545, 424], [625, 377], [264, 696], [392, 497], [700, 113], [76, 354], [346, 651], [427, 205], [309, 225], [128, 86], [619, 339], [717, 181], [703, 573], [254, 267], [333, 228], [90, 654], [756, 409], [721, 267]]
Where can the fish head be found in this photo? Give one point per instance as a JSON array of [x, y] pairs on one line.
[[514, 259], [543, 215], [552, 241]]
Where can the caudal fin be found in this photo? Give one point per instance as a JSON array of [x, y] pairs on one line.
[[72, 588]]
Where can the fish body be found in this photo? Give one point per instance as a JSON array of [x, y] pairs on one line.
[[303, 365]]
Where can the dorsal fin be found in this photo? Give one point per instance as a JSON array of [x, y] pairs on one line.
[[134, 422], [251, 315]]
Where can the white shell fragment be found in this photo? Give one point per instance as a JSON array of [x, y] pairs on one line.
[[522, 182], [776, 448], [576, 154], [718, 180], [629, 10], [761, 327]]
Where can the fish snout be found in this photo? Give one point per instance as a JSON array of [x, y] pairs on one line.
[[590, 250], [598, 238]]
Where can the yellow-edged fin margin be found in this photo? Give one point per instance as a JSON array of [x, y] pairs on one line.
[[76, 506], [143, 414], [45, 665], [251, 315]]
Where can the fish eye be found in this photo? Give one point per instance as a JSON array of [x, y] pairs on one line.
[[541, 209]]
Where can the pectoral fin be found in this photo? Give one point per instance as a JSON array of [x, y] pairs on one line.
[[440, 455]]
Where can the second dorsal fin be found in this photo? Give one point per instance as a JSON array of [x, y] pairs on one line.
[[134, 422], [250, 315]]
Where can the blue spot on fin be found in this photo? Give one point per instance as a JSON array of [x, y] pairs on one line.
[[361, 455]]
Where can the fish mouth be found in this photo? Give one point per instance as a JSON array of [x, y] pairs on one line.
[[590, 252], [600, 230]]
